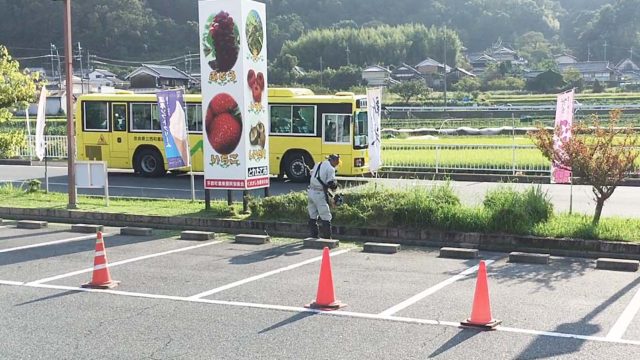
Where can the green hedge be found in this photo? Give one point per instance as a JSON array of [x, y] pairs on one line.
[[434, 207]]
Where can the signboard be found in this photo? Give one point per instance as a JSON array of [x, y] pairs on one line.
[[174, 128], [374, 113], [233, 55], [564, 121], [93, 175]]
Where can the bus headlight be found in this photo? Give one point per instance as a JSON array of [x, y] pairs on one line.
[[358, 162]]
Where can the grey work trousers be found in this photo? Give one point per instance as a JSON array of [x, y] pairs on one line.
[[317, 205]]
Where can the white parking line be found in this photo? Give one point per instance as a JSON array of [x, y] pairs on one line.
[[122, 262], [412, 300], [9, 282], [625, 319], [338, 313], [84, 237], [262, 276]]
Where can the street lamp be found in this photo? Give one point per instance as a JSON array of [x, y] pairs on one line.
[[71, 146]]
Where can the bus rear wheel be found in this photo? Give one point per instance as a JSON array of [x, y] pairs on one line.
[[149, 163], [297, 166]]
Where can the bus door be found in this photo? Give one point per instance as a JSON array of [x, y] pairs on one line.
[[119, 143]]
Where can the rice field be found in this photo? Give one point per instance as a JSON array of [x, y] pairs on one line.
[[492, 154]]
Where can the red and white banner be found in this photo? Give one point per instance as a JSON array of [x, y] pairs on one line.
[[564, 121]]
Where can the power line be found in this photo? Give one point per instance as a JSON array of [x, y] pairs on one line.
[[116, 65], [178, 58], [32, 57]]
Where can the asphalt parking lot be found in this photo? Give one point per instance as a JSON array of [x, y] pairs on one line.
[[218, 299]]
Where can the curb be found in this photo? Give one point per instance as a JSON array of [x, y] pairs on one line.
[[411, 237], [15, 162]]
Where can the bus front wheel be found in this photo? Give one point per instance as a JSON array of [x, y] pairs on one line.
[[149, 163], [297, 166]]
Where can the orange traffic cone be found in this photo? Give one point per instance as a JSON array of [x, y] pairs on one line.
[[481, 312], [325, 299], [101, 278]]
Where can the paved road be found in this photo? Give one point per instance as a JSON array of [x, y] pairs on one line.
[[222, 300], [624, 202], [122, 183]]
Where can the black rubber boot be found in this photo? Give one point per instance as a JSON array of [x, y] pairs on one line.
[[313, 228], [325, 229]]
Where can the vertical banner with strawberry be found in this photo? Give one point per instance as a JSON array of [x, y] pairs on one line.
[[233, 55], [564, 121]]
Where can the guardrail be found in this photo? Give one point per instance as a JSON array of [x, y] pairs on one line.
[[56, 147], [508, 108], [514, 159]]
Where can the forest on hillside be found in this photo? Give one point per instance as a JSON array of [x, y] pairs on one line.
[[151, 29]]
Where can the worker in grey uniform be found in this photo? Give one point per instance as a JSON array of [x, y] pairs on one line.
[[323, 179]]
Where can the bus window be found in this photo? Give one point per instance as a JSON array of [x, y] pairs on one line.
[[337, 128], [293, 119], [194, 117], [155, 117], [119, 117], [361, 130], [304, 120], [96, 116], [145, 117], [281, 119]]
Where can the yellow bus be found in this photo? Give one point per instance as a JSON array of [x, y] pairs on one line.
[[123, 129]]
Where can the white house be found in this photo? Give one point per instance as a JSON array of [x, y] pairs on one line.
[[376, 75], [99, 78], [563, 59]]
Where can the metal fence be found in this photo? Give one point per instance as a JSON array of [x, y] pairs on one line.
[[505, 159], [56, 147]]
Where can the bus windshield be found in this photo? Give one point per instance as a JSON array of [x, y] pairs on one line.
[[361, 130]]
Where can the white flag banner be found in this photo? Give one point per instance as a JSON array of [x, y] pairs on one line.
[[374, 113], [42, 109]]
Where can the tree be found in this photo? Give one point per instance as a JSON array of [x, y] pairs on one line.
[[467, 84], [600, 156], [573, 78], [598, 87], [534, 47], [410, 89], [17, 89]]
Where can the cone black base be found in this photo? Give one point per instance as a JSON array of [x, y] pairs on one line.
[[488, 326], [109, 285], [333, 306]]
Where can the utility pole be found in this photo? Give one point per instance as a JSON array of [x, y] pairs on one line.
[[348, 52], [445, 67], [631, 53], [53, 72], [71, 145], [321, 71], [88, 61], [588, 52], [59, 67], [81, 68], [605, 50]]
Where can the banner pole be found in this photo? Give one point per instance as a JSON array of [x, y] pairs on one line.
[[570, 195], [193, 187], [46, 173], [26, 114]]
